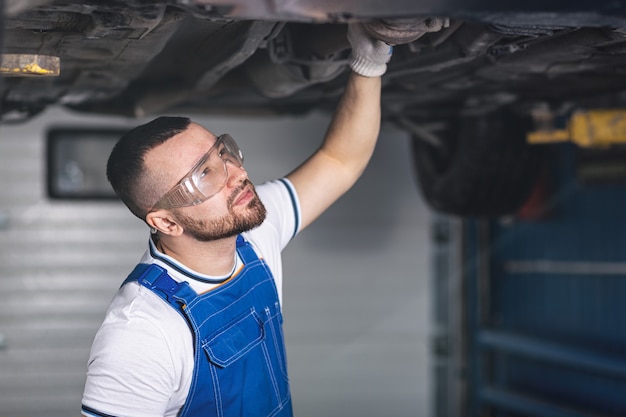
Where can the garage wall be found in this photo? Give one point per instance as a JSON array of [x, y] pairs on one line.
[[356, 293]]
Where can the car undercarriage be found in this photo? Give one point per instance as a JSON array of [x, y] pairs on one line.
[[464, 74]]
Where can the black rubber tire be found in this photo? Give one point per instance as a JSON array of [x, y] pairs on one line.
[[485, 168]]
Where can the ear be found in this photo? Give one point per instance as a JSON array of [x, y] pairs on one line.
[[164, 222]]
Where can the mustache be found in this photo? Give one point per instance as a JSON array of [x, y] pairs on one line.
[[238, 190]]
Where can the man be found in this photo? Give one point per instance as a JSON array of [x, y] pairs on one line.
[[196, 328]]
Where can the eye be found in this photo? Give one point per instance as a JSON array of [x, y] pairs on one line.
[[226, 155], [205, 171]]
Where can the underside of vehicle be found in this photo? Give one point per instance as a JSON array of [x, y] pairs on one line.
[[464, 80]]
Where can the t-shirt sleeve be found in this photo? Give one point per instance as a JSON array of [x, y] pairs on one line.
[[130, 370]]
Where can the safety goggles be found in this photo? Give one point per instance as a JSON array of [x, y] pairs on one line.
[[206, 178]]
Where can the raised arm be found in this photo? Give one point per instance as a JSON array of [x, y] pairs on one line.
[[345, 152], [352, 134]]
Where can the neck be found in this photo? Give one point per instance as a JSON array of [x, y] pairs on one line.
[[215, 258]]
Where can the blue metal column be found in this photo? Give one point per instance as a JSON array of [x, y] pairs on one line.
[[546, 306]]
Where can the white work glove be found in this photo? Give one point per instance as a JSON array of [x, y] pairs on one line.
[[369, 55]]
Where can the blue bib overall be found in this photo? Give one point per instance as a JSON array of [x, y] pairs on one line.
[[239, 355]]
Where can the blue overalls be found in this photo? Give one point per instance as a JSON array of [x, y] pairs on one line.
[[240, 366]]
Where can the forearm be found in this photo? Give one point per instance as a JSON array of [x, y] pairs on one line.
[[354, 129], [345, 150]]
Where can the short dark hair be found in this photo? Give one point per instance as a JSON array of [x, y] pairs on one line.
[[125, 167]]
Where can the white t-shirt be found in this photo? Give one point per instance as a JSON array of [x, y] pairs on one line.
[[141, 360]]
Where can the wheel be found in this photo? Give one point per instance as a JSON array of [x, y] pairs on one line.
[[482, 167]]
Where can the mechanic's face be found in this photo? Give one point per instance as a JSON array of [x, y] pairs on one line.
[[234, 209], [244, 212]]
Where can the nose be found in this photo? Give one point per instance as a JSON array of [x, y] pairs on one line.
[[236, 174]]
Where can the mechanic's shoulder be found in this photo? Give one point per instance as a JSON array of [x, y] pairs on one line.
[[137, 306]]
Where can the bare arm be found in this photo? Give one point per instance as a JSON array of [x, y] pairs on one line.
[[345, 151]]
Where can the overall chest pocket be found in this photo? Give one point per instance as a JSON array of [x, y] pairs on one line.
[[246, 358], [235, 340]]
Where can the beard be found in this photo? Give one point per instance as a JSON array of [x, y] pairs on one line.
[[228, 225]]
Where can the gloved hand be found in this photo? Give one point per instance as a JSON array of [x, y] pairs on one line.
[[369, 55]]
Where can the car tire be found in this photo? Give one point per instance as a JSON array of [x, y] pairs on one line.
[[483, 166]]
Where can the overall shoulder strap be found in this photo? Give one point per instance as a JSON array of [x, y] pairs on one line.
[[155, 277], [245, 250]]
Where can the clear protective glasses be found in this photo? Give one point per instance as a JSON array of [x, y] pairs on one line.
[[206, 178]]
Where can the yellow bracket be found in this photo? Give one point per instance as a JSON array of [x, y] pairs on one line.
[[590, 128], [29, 65]]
